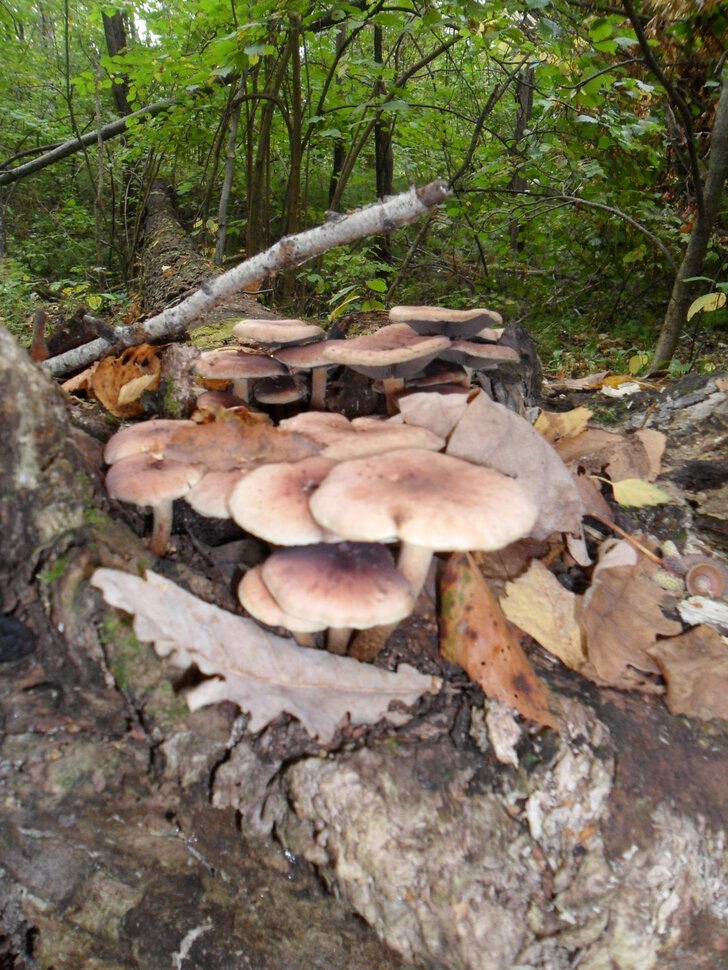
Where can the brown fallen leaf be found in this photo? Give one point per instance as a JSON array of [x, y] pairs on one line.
[[475, 635], [695, 668], [620, 456], [622, 618], [539, 605], [119, 382], [263, 674], [489, 434]]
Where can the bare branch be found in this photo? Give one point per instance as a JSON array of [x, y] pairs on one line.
[[172, 323]]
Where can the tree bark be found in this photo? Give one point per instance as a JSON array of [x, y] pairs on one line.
[[684, 291]]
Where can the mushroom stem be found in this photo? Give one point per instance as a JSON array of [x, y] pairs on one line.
[[414, 564], [162, 527], [392, 386], [337, 639], [317, 401], [241, 388]]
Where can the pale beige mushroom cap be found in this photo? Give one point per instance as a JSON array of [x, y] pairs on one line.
[[393, 351], [271, 502], [452, 323], [276, 333], [423, 498], [146, 437]]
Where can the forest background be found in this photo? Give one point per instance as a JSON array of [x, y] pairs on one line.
[[586, 144]]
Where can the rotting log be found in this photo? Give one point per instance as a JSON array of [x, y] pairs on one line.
[[606, 845], [111, 856]]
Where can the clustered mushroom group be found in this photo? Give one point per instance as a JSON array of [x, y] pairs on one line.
[[331, 495]]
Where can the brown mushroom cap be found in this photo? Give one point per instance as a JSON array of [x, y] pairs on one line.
[[423, 498], [278, 390], [393, 351], [230, 364], [342, 585], [276, 333], [256, 598], [147, 480], [271, 502], [452, 323], [480, 356], [147, 437]]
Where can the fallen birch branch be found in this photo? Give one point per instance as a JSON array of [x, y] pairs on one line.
[[172, 323]]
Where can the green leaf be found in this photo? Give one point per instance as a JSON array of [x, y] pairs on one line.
[[379, 286]]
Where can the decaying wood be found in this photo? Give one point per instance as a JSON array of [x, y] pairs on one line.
[[172, 323], [607, 840]]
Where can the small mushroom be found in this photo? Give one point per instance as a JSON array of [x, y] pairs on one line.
[[256, 598], [344, 585], [442, 320], [309, 357], [156, 482], [272, 334], [706, 579], [230, 364]]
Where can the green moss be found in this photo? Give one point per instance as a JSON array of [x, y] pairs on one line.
[[213, 335], [55, 571]]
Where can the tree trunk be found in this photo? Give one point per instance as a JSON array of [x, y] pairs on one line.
[[383, 154], [222, 211], [115, 34], [683, 291], [524, 108]]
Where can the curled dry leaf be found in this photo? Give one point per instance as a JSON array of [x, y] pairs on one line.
[[489, 434], [695, 668], [621, 456], [119, 382], [475, 635], [263, 674]]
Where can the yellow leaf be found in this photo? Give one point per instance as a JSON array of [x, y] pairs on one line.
[[636, 493], [707, 303], [539, 605], [554, 425], [637, 362]]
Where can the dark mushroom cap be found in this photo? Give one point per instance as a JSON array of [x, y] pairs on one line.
[[278, 390], [452, 323], [393, 351], [342, 584]]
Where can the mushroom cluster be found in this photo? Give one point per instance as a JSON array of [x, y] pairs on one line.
[[420, 347], [330, 495]]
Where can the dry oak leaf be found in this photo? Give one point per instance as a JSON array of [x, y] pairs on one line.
[[263, 674], [539, 605], [119, 382], [622, 618], [489, 434], [475, 635], [695, 668]]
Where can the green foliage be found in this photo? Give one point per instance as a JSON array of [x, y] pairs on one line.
[[569, 193]]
